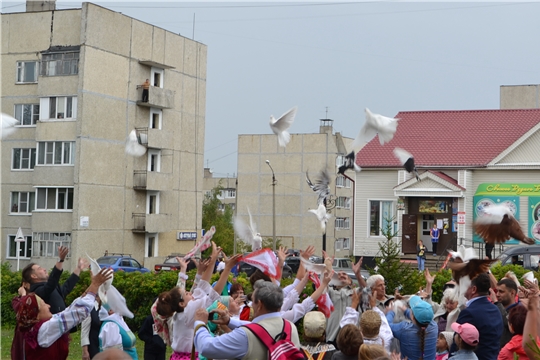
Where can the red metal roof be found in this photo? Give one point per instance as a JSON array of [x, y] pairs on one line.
[[466, 138]]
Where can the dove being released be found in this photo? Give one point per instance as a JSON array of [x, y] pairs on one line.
[[375, 124], [103, 288], [322, 216], [248, 233], [349, 163], [321, 185], [133, 146], [407, 160], [498, 224], [8, 125], [281, 125], [319, 269], [465, 267]]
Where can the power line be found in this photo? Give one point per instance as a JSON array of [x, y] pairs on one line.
[[224, 156], [215, 147]]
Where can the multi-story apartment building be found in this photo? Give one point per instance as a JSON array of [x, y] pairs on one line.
[[295, 226], [227, 195], [72, 78]]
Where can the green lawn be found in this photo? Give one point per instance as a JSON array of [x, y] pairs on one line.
[[75, 352]]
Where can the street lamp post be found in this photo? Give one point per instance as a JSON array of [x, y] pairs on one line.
[[273, 204]]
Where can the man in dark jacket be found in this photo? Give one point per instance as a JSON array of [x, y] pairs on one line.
[[46, 286], [154, 347], [485, 316]]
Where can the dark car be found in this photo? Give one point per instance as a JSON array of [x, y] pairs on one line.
[[293, 262], [524, 255], [171, 264], [249, 269], [121, 262]]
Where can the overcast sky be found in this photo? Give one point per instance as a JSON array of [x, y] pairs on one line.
[[264, 58]]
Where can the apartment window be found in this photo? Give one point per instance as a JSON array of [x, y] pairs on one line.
[[58, 108], [338, 244], [156, 77], [154, 160], [155, 118], [56, 153], [342, 223], [23, 159], [45, 244], [343, 202], [227, 194], [54, 199], [26, 72], [151, 243], [22, 202], [27, 114], [340, 160], [60, 64], [152, 202], [25, 249], [342, 181], [346, 243], [380, 213]]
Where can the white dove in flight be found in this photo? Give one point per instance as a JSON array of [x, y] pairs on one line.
[[321, 185], [349, 163], [322, 216], [133, 146], [375, 124], [8, 125], [281, 125], [407, 160], [248, 233]]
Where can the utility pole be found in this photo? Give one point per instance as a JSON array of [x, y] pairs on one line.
[[273, 204]]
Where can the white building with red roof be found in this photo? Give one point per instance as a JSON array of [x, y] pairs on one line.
[[466, 160]]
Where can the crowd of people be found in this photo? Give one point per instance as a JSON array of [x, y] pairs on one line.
[[340, 320]]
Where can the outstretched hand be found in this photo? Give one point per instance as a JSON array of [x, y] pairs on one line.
[[282, 253], [356, 267], [309, 252], [429, 278], [232, 261]]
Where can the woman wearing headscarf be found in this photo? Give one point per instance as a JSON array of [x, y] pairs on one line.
[[45, 334]]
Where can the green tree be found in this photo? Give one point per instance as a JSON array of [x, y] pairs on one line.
[[213, 215], [396, 273]]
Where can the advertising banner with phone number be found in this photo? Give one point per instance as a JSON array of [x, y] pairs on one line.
[[534, 218], [480, 202]]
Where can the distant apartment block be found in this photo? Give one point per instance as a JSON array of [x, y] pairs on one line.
[[71, 77]]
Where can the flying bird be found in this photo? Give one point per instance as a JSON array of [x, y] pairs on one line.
[[498, 224], [407, 160], [8, 125], [281, 125], [375, 124], [322, 216], [349, 163], [133, 145], [319, 269], [248, 233], [321, 185], [465, 267]]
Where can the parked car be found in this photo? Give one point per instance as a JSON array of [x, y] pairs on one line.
[[171, 264], [524, 255], [345, 265], [121, 262], [249, 269], [293, 262]]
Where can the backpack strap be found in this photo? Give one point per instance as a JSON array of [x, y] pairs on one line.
[[264, 336]]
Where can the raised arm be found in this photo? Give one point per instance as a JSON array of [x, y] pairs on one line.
[[282, 255], [356, 268], [210, 270], [530, 330], [230, 263]]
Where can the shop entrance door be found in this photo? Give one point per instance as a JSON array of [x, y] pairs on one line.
[[425, 226], [408, 239]]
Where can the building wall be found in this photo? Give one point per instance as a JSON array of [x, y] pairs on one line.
[[520, 96], [295, 226], [111, 48]]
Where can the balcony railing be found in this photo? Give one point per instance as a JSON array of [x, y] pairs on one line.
[[139, 222], [140, 179], [157, 98]]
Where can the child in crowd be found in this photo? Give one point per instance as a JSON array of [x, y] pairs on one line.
[[443, 345], [466, 339]]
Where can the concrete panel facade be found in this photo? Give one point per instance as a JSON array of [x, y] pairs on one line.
[[109, 70]]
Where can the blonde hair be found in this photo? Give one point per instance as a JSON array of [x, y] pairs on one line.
[[370, 352]]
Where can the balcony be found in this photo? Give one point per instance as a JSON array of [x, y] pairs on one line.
[[155, 138], [157, 98], [151, 223], [151, 180]]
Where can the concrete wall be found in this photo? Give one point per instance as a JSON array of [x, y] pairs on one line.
[[520, 96]]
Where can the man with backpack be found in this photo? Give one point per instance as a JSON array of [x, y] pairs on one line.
[[268, 337]]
